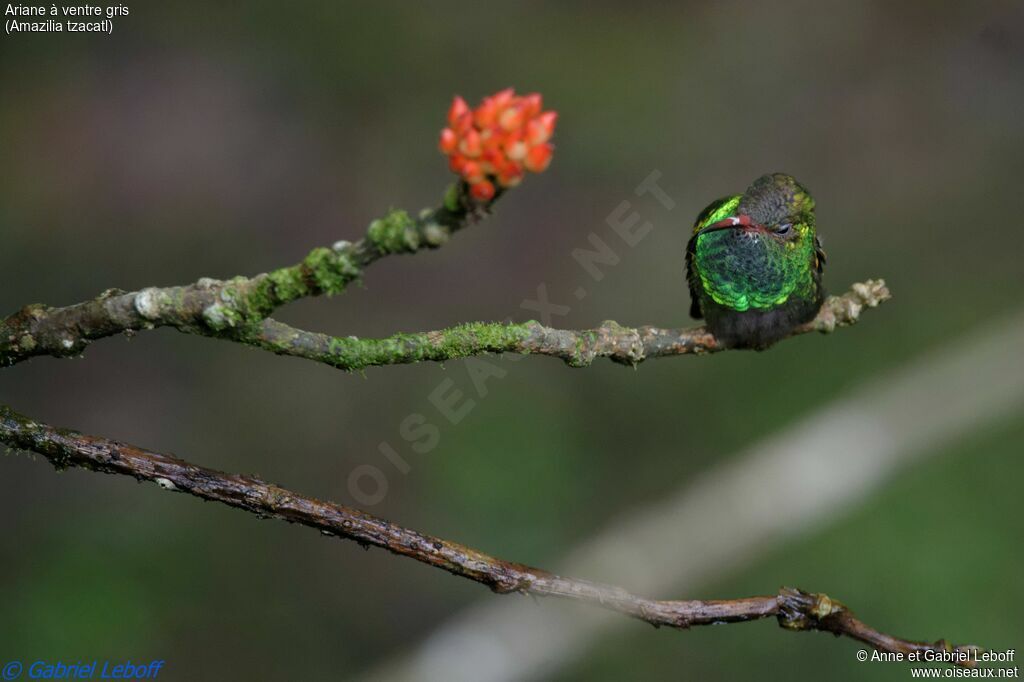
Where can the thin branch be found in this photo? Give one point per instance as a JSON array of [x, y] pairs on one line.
[[228, 309], [236, 310], [620, 344], [794, 609]]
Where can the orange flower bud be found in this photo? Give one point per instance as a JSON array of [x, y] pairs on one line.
[[538, 158], [449, 141], [482, 191], [510, 175], [503, 98], [486, 114], [457, 109], [540, 129], [512, 118], [456, 163], [498, 141], [493, 156], [516, 150], [470, 144], [491, 140], [532, 104], [472, 172], [463, 124]]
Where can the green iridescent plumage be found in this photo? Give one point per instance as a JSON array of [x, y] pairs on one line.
[[754, 263]]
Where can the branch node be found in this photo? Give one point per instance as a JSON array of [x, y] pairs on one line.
[[508, 585], [394, 233], [147, 303], [626, 343], [216, 317], [799, 610], [435, 234], [794, 609], [207, 282], [166, 484]]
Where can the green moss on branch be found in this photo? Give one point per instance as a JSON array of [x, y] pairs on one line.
[[577, 348], [352, 353], [394, 233], [231, 309]]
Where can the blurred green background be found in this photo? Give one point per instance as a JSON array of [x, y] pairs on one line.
[[214, 140]]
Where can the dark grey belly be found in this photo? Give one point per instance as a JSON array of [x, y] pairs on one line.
[[757, 329]]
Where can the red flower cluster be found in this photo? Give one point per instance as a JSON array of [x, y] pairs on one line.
[[498, 141]]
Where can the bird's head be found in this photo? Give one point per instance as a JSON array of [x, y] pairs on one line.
[[753, 250], [775, 205]]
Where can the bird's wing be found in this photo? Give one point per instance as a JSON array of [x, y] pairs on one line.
[[819, 256], [691, 279]]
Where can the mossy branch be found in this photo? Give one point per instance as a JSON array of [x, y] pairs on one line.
[[228, 309], [793, 609], [237, 311], [578, 348]]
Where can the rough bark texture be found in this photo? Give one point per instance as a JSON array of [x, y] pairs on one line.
[[238, 310], [794, 609], [578, 348], [229, 309]]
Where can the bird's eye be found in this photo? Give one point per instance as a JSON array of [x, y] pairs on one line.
[[783, 229]]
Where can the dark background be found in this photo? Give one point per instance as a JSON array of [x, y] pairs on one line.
[[214, 140]]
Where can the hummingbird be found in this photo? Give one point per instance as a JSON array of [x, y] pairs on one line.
[[754, 263]]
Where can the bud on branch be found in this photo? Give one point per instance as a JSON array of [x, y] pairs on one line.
[[496, 143]]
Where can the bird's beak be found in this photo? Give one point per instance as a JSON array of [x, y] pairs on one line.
[[741, 221]]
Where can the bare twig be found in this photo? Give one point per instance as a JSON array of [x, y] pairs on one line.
[[794, 609]]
